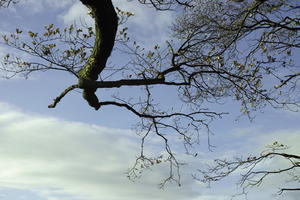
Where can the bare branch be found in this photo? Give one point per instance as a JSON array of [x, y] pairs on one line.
[[66, 91], [252, 173]]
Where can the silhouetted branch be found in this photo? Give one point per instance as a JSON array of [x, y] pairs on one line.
[[252, 170], [66, 91]]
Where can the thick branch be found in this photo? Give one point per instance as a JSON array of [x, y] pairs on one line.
[[106, 24], [86, 84], [116, 84]]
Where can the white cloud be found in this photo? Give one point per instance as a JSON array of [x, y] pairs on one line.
[[76, 13], [40, 6], [58, 4], [53, 157], [41, 153], [147, 24]]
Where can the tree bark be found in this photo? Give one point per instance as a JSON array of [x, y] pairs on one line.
[[106, 24]]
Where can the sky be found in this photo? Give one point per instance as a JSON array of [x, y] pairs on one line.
[[75, 153]]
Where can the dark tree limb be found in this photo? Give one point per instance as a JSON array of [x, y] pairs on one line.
[[288, 189], [84, 83], [106, 24]]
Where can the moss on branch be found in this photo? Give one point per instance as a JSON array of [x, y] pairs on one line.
[[106, 24]]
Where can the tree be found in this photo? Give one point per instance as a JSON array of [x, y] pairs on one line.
[[248, 48], [243, 51], [221, 50]]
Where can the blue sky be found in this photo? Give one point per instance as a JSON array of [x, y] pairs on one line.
[[75, 153]]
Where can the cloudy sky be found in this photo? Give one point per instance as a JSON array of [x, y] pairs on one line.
[[75, 153]]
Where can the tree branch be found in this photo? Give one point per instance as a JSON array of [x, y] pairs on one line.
[[153, 116], [106, 24], [66, 91], [288, 189], [85, 83]]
